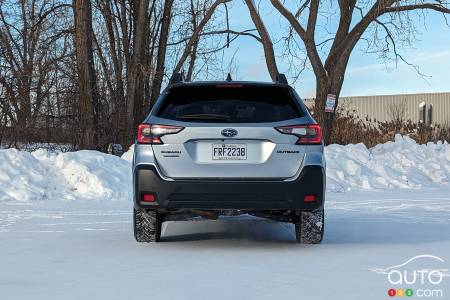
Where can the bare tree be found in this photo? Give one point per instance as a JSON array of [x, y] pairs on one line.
[[397, 111], [355, 18], [32, 45], [114, 50], [196, 33], [96, 67]]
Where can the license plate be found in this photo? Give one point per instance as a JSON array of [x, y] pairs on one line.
[[229, 151]]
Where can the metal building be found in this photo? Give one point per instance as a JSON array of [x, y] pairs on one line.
[[431, 108]]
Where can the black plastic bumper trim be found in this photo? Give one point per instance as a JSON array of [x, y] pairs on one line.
[[227, 194]]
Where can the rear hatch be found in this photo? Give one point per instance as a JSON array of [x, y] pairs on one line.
[[227, 131]]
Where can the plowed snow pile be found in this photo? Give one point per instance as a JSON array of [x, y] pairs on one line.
[[63, 176], [399, 164], [42, 175]]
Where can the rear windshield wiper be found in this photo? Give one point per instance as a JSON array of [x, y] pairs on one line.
[[206, 117]]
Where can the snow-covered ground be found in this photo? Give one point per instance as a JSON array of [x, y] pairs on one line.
[[66, 232]]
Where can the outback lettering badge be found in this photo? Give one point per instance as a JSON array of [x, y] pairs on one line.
[[287, 151]]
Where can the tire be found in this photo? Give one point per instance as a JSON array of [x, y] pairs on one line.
[[147, 225], [309, 227]]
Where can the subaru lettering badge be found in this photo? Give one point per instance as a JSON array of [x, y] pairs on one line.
[[229, 132]]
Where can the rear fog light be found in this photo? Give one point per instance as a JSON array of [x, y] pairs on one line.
[[310, 198], [148, 198]]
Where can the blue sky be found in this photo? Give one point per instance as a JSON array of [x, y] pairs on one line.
[[366, 74]]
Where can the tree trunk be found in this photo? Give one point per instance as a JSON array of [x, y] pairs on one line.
[[162, 47], [135, 99], [192, 60], [119, 49], [87, 81], [331, 85], [24, 93], [193, 55]]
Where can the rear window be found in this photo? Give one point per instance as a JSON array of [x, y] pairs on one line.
[[230, 103]]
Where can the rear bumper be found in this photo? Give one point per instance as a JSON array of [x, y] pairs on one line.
[[224, 194]]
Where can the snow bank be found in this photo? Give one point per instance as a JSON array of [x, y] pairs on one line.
[[22, 176], [399, 164], [65, 176], [88, 175]]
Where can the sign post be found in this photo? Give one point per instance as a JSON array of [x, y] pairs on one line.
[[329, 105]]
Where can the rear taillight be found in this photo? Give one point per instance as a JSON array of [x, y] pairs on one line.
[[151, 134], [307, 134]]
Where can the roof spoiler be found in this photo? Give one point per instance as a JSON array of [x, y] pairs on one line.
[[281, 78], [177, 78]]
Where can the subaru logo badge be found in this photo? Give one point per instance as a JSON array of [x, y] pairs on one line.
[[229, 132]]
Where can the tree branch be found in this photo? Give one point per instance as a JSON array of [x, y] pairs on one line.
[[226, 31], [308, 40], [266, 41], [196, 33], [436, 7]]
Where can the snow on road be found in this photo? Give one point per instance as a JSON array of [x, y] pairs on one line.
[[66, 232], [86, 250]]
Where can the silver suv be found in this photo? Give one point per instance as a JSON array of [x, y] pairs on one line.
[[211, 149]]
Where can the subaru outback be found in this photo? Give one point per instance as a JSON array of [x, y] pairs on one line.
[[213, 149]]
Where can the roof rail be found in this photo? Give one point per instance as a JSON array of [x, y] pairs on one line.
[[177, 78], [281, 78]]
